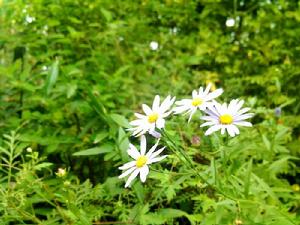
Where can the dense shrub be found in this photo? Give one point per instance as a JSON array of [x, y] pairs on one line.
[[71, 72]]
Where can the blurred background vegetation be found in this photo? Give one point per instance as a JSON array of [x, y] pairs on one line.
[[72, 71]]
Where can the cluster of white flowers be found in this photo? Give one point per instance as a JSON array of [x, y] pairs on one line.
[[224, 117]]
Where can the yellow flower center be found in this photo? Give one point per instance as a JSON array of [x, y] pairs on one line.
[[141, 161], [152, 118], [197, 101], [226, 119]]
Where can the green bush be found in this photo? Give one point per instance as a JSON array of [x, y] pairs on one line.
[[72, 74]]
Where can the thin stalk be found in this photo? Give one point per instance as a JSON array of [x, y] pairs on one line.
[[173, 173], [11, 158], [176, 148]]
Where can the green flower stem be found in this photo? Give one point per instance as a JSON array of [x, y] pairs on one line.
[[11, 158], [175, 148]]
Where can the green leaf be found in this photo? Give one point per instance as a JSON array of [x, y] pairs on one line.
[[96, 104], [100, 137], [266, 142], [43, 165], [247, 178], [123, 143], [52, 76], [107, 14], [213, 170], [139, 190], [71, 90], [95, 151], [169, 213], [120, 120]]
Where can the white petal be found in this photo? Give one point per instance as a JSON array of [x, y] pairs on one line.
[[139, 131], [151, 127], [160, 123], [133, 152], [204, 106], [223, 130], [136, 122], [230, 131], [239, 105], [207, 89], [152, 149], [143, 145], [166, 104], [154, 154], [244, 116], [143, 173], [140, 116], [235, 129], [214, 94], [224, 109], [127, 172], [242, 111], [166, 114], [213, 129], [232, 107], [157, 159], [243, 123], [184, 102], [136, 132], [181, 109], [194, 94], [146, 109], [201, 91], [127, 165], [155, 134], [155, 105], [214, 110], [192, 113], [209, 123], [131, 177], [209, 118]]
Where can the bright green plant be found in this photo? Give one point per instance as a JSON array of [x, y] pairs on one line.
[[72, 71]]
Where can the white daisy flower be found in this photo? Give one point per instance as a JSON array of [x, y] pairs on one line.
[[141, 161], [201, 99], [154, 117], [226, 117]]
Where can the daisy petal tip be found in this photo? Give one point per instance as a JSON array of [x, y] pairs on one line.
[[207, 133]]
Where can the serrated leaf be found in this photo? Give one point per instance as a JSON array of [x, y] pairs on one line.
[[266, 142]]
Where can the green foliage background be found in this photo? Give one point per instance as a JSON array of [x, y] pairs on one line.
[[72, 71]]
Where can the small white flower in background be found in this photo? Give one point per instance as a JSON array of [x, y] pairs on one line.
[[230, 22], [154, 117], [67, 183], [29, 19], [223, 117], [61, 172], [29, 150], [153, 45], [141, 161], [201, 99]]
